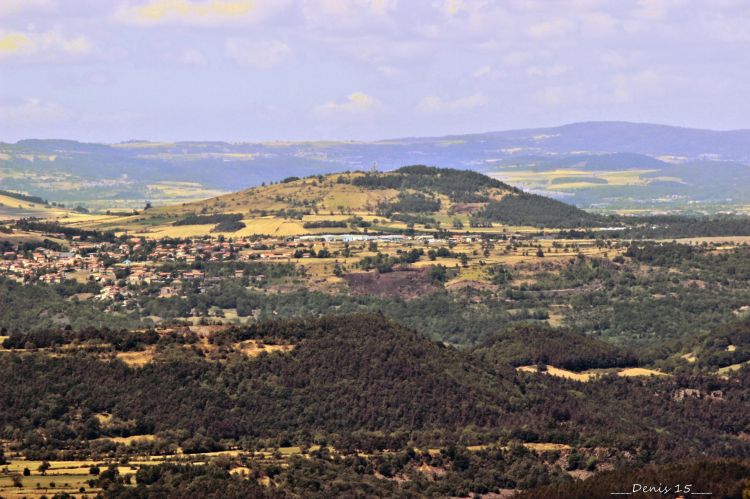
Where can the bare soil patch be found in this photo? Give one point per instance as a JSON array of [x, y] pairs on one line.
[[408, 283]]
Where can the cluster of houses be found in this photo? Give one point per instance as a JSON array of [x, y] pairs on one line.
[[140, 261], [137, 261], [52, 266]]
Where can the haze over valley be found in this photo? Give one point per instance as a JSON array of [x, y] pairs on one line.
[[605, 166]]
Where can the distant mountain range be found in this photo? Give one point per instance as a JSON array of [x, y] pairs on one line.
[[605, 165]]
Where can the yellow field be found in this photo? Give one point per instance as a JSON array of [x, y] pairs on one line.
[[561, 373], [640, 371], [732, 368], [67, 476], [181, 191], [252, 348], [137, 359], [271, 226], [11, 207], [546, 179], [22, 236], [589, 375], [131, 439]]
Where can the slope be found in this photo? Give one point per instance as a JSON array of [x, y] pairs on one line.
[[410, 198], [352, 379]]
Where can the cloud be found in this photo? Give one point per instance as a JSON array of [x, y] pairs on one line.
[[483, 71], [551, 29], [655, 9], [192, 57], [488, 73], [262, 54], [50, 46], [546, 71], [34, 117], [208, 13], [33, 111], [12, 7], [561, 95], [435, 104], [357, 102], [732, 29], [599, 24], [628, 86], [453, 7], [347, 15], [382, 51], [519, 57]]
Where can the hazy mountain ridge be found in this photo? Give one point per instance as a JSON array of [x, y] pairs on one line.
[[672, 165]]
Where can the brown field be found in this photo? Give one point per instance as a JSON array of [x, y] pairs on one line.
[[403, 283]]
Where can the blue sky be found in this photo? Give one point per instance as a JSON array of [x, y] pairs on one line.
[[248, 70]]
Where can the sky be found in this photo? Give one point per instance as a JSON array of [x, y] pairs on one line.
[[259, 70]]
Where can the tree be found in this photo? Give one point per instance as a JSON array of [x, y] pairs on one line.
[[44, 467], [540, 253]]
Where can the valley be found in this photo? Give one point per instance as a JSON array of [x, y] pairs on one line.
[[454, 335]]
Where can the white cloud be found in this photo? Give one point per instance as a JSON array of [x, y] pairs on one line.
[[655, 9], [384, 51], [435, 104], [482, 71], [561, 95], [192, 57], [262, 54], [50, 46], [547, 71], [338, 15], [208, 13], [627, 87], [488, 73], [552, 28], [12, 7], [518, 57], [33, 111], [357, 102], [615, 60], [599, 24], [729, 28]]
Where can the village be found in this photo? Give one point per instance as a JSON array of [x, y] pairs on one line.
[[122, 265]]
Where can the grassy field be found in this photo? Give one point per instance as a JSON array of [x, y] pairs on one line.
[[585, 376], [11, 207], [570, 179], [62, 477]]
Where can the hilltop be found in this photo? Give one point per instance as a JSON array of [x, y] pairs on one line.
[[409, 198]]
